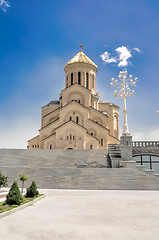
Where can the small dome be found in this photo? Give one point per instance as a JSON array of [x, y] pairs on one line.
[[81, 57]]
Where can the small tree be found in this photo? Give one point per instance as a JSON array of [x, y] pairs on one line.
[[3, 180], [32, 191], [23, 178], [14, 196]]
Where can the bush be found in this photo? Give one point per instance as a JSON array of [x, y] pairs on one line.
[[3, 180], [14, 196], [32, 191]]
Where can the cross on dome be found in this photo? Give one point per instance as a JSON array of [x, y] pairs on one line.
[[81, 46]]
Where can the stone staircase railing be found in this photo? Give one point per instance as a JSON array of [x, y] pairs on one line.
[[116, 161]]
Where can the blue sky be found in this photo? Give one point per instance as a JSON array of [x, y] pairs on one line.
[[39, 37]]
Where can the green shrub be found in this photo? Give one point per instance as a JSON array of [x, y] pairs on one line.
[[3, 180], [14, 196], [32, 191]]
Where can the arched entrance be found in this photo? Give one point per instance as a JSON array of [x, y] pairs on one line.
[[70, 147]]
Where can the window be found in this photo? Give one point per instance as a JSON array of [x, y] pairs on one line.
[[86, 80], [70, 118], [102, 142], [79, 101], [91, 134], [79, 78], [66, 81], [67, 137], [50, 146], [73, 137], [91, 147], [70, 137], [71, 78], [92, 81], [76, 119]]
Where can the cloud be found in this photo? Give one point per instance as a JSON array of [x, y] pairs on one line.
[[137, 50], [106, 58], [124, 55], [4, 5], [121, 57], [148, 135]]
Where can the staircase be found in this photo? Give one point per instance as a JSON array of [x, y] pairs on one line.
[[114, 155], [72, 169]]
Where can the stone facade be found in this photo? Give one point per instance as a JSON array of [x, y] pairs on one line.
[[78, 120]]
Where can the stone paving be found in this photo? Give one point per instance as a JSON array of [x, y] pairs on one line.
[[86, 215], [3, 195]]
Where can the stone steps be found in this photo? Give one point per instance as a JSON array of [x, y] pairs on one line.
[[52, 158], [74, 178], [72, 169]]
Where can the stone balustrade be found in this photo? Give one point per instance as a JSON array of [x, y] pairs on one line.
[[139, 144]]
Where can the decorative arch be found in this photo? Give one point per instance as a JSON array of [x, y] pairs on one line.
[[98, 120], [77, 96], [92, 132], [75, 116]]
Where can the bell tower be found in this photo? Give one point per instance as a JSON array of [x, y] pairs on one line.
[[81, 70]]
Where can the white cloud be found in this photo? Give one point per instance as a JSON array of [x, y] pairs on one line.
[[137, 50], [106, 58], [124, 55], [4, 5], [121, 56], [148, 135]]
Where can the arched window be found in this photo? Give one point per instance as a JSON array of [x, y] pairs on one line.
[[115, 123], [50, 146], [92, 81], [91, 147], [86, 80], [102, 142], [70, 136], [71, 78], [76, 119], [79, 77], [67, 81]]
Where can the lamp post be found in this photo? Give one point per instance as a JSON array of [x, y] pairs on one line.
[[123, 91]]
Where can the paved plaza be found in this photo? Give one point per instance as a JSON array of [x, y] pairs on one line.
[[86, 215]]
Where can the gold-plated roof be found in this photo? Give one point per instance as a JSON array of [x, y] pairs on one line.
[[81, 57]]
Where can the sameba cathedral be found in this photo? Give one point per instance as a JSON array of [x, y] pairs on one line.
[[78, 120]]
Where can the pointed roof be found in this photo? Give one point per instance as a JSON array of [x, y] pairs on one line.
[[81, 57]]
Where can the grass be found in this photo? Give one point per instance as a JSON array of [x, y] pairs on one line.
[[6, 207]]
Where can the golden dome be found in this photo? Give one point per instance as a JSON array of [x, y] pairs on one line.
[[81, 57]]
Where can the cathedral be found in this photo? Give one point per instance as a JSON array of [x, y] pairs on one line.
[[78, 120]]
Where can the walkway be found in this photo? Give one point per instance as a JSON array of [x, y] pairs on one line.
[[86, 215]]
